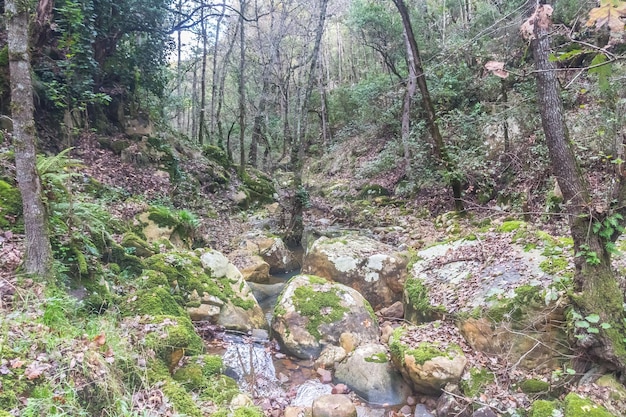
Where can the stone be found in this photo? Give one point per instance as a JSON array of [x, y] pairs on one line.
[[330, 356], [394, 311], [405, 410], [448, 404], [373, 268], [291, 411], [369, 373], [617, 389], [410, 400], [484, 412], [205, 312], [252, 266], [427, 366], [272, 250], [385, 332], [422, 411], [333, 405], [340, 389], [326, 377], [312, 313]]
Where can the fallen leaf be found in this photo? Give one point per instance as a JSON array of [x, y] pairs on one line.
[[16, 363]]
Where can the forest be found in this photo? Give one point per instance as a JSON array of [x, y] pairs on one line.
[[324, 208]]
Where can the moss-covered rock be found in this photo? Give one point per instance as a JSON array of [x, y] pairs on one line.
[[543, 408], [136, 245], [173, 334], [221, 390], [312, 312], [210, 288], [429, 365], [198, 372], [183, 402], [258, 186], [417, 307], [371, 191], [155, 301], [10, 207], [576, 406], [511, 226], [534, 386]]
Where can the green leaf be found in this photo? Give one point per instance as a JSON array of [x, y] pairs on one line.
[[603, 71], [570, 371], [593, 318], [605, 326], [582, 323], [593, 330]]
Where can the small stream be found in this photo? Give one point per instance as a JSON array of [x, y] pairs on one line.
[[271, 378]]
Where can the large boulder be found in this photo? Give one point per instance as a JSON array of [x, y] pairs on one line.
[[373, 268], [209, 287], [313, 312], [514, 278], [252, 266], [369, 372]]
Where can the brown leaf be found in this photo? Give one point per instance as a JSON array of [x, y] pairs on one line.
[[35, 369], [100, 340], [16, 363]]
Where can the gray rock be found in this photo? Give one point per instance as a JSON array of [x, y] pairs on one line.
[[334, 405], [374, 269], [368, 372], [422, 411], [484, 412]]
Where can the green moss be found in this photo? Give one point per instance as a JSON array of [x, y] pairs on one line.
[[5, 414], [510, 226], [577, 406], [258, 185], [153, 279], [478, 379], [163, 216], [138, 245], [177, 333], [220, 390], [218, 155], [191, 376], [181, 399], [152, 301], [556, 265], [419, 309], [534, 386], [10, 207], [543, 408], [377, 358], [248, 412], [318, 306], [185, 273], [514, 308], [426, 351], [14, 386]]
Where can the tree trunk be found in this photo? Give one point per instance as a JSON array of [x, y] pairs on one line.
[[296, 224], [38, 259], [214, 74], [242, 92], [220, 94], [596, 284], [439, 147], [406, 109], [202, 118]]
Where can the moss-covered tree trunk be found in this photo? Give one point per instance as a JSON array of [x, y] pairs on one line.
[[38, 259], [597, 287]]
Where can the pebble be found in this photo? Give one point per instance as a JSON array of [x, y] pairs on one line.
[[406, 410], [410, 400], [340, 389]]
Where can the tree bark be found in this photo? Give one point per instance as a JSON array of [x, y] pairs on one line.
[[38, 258], [439, 146], [598, 290], [296, 224], [202, 118], [242, 84]]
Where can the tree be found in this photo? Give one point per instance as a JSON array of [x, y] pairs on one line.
[[439, 147], [38, 251], [594, 228]]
